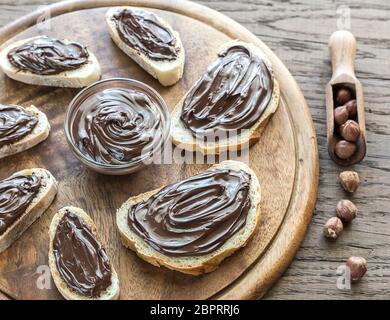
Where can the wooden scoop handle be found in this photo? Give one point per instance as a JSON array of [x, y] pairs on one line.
[[342, 49]]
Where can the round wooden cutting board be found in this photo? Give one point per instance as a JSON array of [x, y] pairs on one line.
[[285, 159]]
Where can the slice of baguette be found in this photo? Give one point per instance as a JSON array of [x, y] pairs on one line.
[[195, 265], [166, 72], [37, 135], [184, 139], [37, 207], [87, 74], [111, 293]]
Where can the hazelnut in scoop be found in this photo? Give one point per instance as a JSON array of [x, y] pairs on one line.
[[350, 130], [352, 108], [343, 96], [345, 149], [340, 115]]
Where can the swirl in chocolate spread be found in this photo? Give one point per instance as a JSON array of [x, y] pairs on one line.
[[15, 123], [117, 126], [48, 56], [195, 216], [16, 194], [231, 95], [144, 32], [80, 259]]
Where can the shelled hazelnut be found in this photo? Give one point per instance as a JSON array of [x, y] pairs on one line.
[[349, 180], [352, 108], [346, 210], [350, 130], [340, 115], [343, 96], [357, 267], [332, 228], [345, 149]]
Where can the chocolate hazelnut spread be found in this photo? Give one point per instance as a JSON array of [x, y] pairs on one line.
[[117, 126], [80, 259], [16, 194], [195, 216], [231, 95], [15, 123], [48, 56], [142, 31]]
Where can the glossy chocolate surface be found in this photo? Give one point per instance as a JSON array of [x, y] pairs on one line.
[[16, 194], [80, 259], [48, 56], [15, 124], [142, 31], [117, 126], [231, 95], [195, 216]]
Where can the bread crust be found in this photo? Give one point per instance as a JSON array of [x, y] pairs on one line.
[[183, 138], [36, 208], [38, 134], [111, 293], [166, 72], [200, 264], [87, 74]]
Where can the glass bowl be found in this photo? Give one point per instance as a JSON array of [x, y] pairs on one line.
[[117, 83]]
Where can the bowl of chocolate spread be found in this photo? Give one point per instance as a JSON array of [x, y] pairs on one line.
[[117, 126]]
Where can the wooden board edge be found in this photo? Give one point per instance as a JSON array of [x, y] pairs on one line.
[[3, 296], [248, 285]]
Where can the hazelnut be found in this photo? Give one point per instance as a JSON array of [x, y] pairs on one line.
[[340, 115], [343, 96], [349, 180], [350, 130], [352, 108], [357, 267], [346, 210], [344, 149], [332, 228]]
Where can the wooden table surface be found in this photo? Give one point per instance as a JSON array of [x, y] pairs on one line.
[[298, 32]]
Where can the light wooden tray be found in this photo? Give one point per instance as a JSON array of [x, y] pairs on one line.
[[285, 160]]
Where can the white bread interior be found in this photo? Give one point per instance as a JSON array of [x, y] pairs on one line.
[[37, 207], [37, 135], [111, 293], [166, 72], [184, 139], [194, 265], [87, 74]]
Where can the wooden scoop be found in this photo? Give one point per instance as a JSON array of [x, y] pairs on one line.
[[342, 49]]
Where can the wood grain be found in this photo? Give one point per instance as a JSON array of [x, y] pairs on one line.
[[286, 162], [298, 32]]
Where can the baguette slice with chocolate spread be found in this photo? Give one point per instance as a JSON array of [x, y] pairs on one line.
[[70, 64], [79, 264], [37, 126], [191, 262], [185, 139], [41, 200], [149, 40]]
